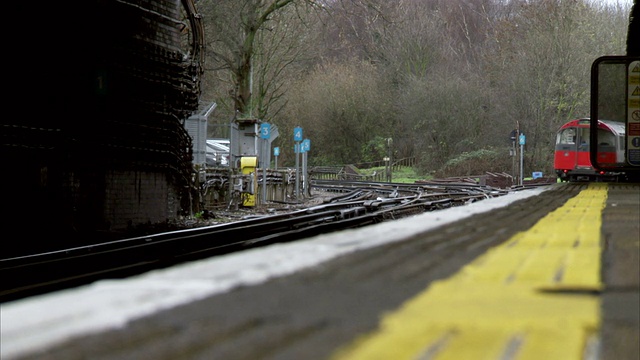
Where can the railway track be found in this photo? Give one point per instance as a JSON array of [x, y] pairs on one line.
[[352, 204]]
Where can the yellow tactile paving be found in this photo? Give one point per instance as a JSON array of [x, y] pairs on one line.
[[526, 299]]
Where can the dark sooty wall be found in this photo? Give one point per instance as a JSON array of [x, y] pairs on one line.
[[95, 141]]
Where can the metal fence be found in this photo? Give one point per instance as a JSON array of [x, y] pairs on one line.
[[351, 171]]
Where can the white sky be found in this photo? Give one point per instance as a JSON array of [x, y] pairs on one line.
[[614, 2]]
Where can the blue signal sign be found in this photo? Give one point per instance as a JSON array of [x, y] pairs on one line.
[[265, 130], [297, 134]]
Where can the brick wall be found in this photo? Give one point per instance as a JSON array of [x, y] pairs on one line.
[[138, 197]]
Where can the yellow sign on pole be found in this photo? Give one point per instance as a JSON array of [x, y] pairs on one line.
[[248, 166]]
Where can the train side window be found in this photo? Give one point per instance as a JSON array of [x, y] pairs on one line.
[[583, 135], [606, 138]]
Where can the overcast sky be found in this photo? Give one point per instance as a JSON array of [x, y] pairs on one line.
[[627, 2]]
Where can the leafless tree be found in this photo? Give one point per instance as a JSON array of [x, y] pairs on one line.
[[250, 43]]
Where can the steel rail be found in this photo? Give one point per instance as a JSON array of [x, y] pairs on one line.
[[33, 274]]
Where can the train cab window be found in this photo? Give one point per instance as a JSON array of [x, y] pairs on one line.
[[566, 137]]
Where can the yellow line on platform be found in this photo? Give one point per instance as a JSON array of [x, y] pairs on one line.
[[533, 297]]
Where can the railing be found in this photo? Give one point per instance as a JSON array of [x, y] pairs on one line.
[[350, 172], [406, 162], [397, 164], [327, 172]]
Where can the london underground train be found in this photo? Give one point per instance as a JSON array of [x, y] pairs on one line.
[[572, 152]]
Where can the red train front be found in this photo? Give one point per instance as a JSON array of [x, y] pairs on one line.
[[571, 160]]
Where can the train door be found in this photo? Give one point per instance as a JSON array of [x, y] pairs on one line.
[[566, 149], [582, 155]]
